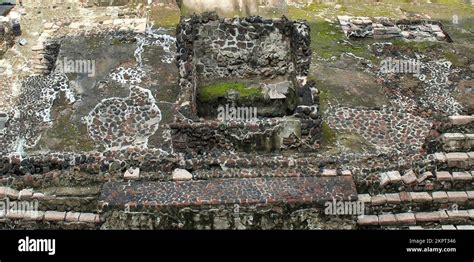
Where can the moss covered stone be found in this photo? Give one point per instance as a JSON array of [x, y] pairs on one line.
[[218, 90], [328, 135]]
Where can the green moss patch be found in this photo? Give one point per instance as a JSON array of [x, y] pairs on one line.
[[69, 136], [218, 90], [416, 46], [165, 17], [327, 40], [328, 135]]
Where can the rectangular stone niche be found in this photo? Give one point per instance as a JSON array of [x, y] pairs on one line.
[[271, 55], [247, 62]]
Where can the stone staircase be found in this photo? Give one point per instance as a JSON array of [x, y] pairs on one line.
[[271, 193], [45, 56], [438, 197], [226, 203], [442, 219], [47, 211]]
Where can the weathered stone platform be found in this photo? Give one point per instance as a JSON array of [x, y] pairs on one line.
[[244, 191]]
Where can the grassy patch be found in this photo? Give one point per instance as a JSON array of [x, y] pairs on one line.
[[218, 90], [416, 46], [328, 135], [438, 9], [328, 40], [116, 41], [70, 136], [165, 17], [454, 58], [325, 95]]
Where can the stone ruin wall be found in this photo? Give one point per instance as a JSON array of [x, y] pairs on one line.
[[230, 51], [257, 217], [251, 47], [212, 48], [242, 49]]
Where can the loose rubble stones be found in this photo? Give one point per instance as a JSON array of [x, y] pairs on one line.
[[181, 175], [384, 28]]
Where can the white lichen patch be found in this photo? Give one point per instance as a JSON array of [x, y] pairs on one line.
[[32, 115]]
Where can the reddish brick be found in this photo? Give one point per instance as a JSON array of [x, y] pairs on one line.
[[72, 216], [428, 216], [387, 219], [440, 197], [365, 220], [89, 218], [457, 159], [378, 200], [406, 219], [470, 195], [329, 172], [35, 215], [420, 197], [393, 198], [364, 198], [346, 173], [54, 216], [409, 178], [471, 213], [394, 176], [457, 196], [443, 176], [405, 196], [15, 214], [462, 176], [461, 119], [25, 194], [458, 214]]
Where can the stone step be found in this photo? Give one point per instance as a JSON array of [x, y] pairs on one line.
[[442, 227], [215, 192], [419, 201], [79, 199], [51, 216], [461, 119], [457, 142], [459, 217], [462, 160], [393, 181], [266, 172]]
